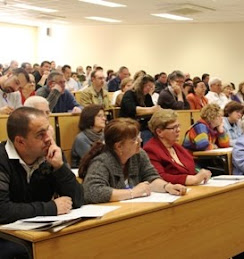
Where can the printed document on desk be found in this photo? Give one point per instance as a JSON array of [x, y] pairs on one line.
[[224, 180], [88, 211], [48, 222], [155, 197]]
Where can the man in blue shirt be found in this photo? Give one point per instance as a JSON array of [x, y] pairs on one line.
[[113, 85], [59, 98]]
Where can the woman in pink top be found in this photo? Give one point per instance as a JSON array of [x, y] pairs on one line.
[[197, 100]]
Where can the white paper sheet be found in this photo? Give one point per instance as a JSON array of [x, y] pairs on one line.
[[221, 183], [84, 211], [155, 197]]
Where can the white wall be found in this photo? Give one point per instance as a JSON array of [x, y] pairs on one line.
[[17, 42], [195, 48]]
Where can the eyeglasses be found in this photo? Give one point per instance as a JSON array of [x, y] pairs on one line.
[[175, 128]]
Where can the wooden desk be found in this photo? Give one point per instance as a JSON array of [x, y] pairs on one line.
[[206, 223], [114, 111], [67, 131], [184, 118], [222, 152], [195, 115], [77, 95], [3, 127]]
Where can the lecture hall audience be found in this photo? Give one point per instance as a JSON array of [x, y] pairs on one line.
[[197, 100], [42, 73], [208, 132], [25, 190], [95, 94], [173, 163], [10, 83], [233, 113], [125, 85], [113, 85], [238, 154], [240, 93], [120, 169], [28, 89], [215, 94], [137, 104], [172, 97], [59, 98], [91, 125]]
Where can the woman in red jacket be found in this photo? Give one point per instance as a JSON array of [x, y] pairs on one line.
[[174, 163]]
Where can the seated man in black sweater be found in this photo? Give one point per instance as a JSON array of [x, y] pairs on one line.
[[31, 171]]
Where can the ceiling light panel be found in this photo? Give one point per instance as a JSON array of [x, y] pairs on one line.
[[103, 19], [103, 3], [35, 8], [172, 17]]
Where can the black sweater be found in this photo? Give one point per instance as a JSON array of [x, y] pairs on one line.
[[20, 199], [128, 108]]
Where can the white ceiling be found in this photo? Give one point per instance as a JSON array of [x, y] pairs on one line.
[[136, 12]]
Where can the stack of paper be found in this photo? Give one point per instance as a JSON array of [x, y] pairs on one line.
[[47, 222]]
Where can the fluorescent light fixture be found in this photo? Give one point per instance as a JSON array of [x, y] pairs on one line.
[[35, 8], [104, 3], [102, 19], [172, 17]]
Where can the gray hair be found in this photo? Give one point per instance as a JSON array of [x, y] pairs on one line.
[[214, 80], [52, 75], [175, 74]]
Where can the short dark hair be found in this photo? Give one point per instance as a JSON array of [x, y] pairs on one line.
[[204, 76], [45, 62], [196, 82], [116, 130], [122, 68], [87, 117], [64, 67], [88, 67], [19, 120], [24, 64], [162, 73], [232, 107], [93, 73], [98, 68], [21, 70]]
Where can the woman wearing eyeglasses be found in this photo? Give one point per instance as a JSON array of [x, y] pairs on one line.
[[119, 169], [171, 160]]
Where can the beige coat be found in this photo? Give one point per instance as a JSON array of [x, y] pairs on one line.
[[89, 96]]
